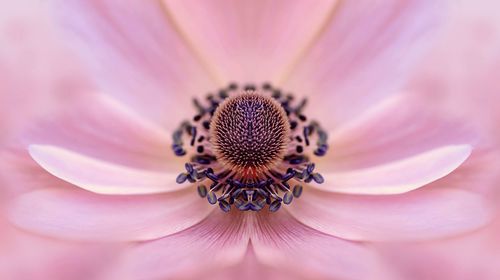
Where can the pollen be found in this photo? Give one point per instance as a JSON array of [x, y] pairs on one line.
[[250, 133]]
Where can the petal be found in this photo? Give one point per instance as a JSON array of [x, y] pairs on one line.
[[398, 128], [29, 256], [77, 214], [281, 241], [217, 242], [417, 215], [399, 176], [367, 50], [99, 176], [250, 41], [98, 126], [135, 54], [468, 256]]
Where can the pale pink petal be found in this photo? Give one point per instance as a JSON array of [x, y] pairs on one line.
[[101, 177], [29, 47], [398, 176], [29, 256], [219, 241], [367, 51], [280, 241], [250, 41], [97, 126], [135, 54], [250, 267], [470, 256], [77, 214], [398, 128], [418, 215]]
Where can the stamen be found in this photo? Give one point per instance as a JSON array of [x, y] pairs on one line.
[[248, 145]]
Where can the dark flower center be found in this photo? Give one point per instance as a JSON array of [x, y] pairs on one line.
[[250, 148], [250, 133]]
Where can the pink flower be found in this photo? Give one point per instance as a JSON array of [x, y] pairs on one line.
[[102, 169]]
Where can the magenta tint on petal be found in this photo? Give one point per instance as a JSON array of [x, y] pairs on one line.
[[418, 215], [217, 242], [250, 41], [135, 54], [98, 126], [398, 176], [81, 215], [367, 51], [279, 240], [101, 177], [398, 128]]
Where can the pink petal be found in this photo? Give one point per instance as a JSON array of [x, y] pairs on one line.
[[77, 214], [219, 241], [280, 241], [135, 54], [398, 176], [101, 177], [470, 256], [250, 267], [417, 215], [367, 51], [29, 256], [100, 127], [398, 128], [250, 41]]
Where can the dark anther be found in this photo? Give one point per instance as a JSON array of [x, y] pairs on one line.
[[318, 178], [275, 206], [206, 124], [181, 178], [202, 190], [211, 197], [233, 86], [299, 149], [224, 206], [197, 118], [201, 138], [203, 159], [297, 191], [288, 176], [276, 94], [287, 198], [293, 125], [223, 94], [200, 149], [193, 133], [310, 167], [306, 135], [198, 106], [192, 179], [303, 118], [266, 86], [301, 106], [250, 87], [211, 176], [189, 167]]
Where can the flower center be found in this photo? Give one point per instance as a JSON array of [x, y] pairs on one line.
[[248, 146], [250, 133]]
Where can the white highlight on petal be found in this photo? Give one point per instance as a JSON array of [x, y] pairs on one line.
[[99, 176], [398, 176]]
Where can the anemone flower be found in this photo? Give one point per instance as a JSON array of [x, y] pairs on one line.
[[300, 152]]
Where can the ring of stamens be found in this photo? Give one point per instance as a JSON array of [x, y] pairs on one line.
[[248, 147]]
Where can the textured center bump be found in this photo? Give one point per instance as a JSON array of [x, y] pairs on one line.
[[250, 132]]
